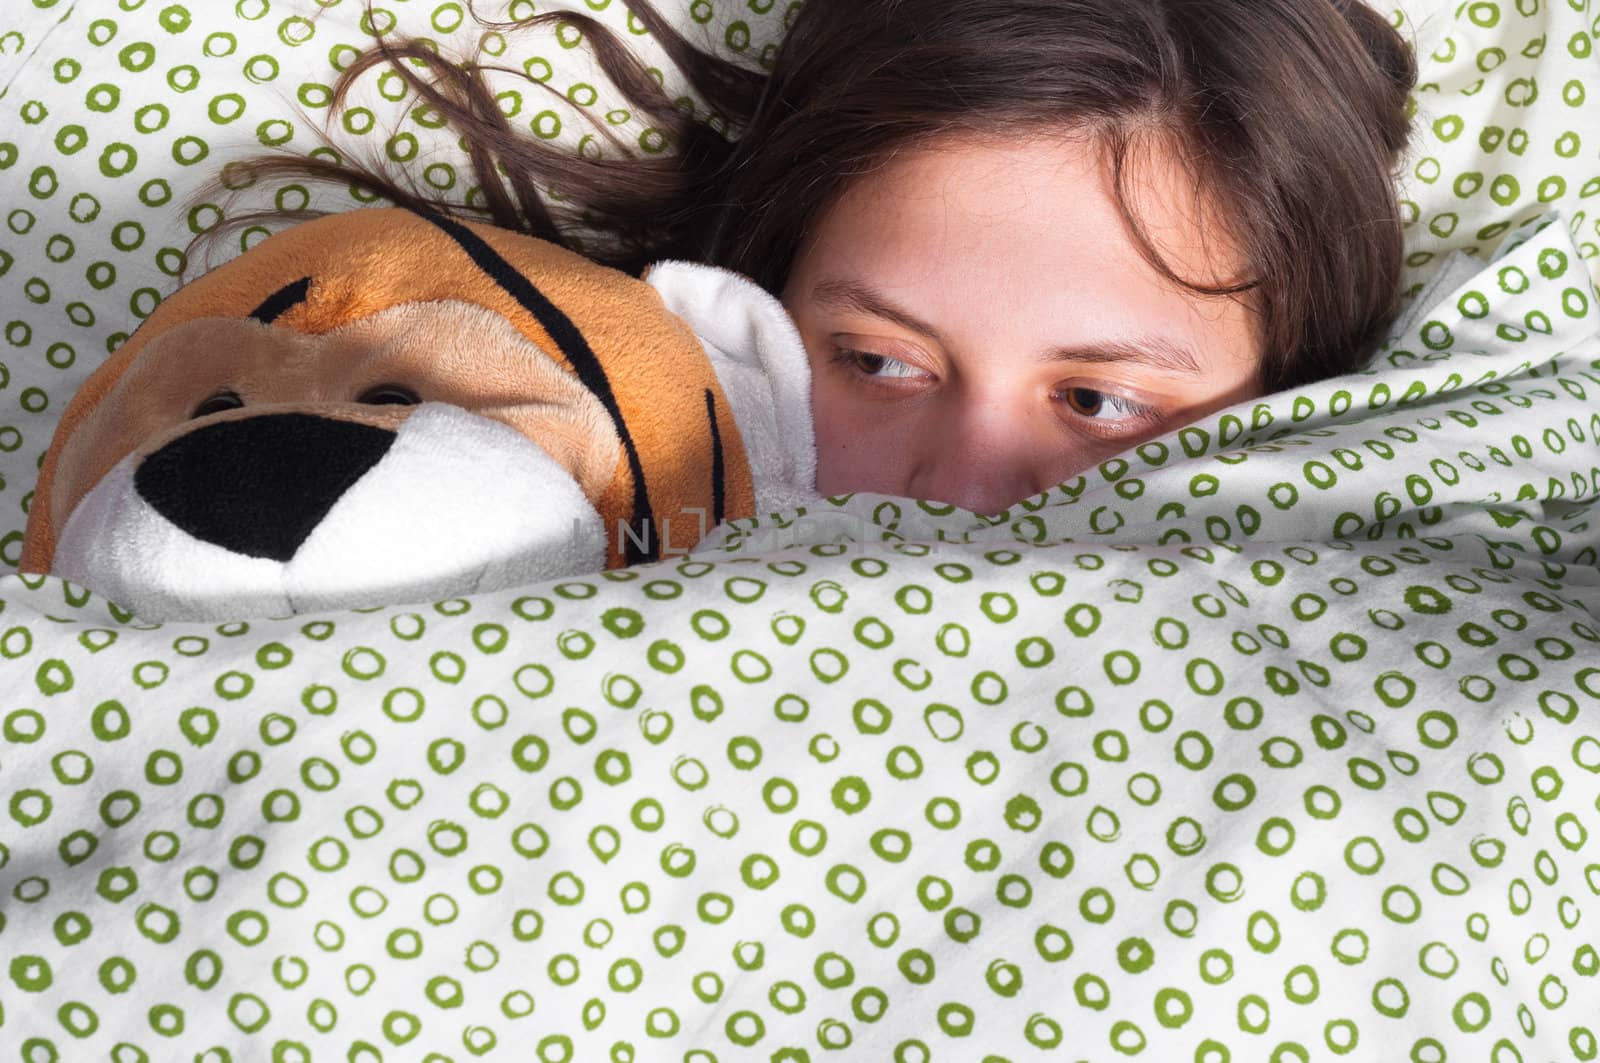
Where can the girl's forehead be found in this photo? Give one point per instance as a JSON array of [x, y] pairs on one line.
[[1026, 236], [1046, 195]]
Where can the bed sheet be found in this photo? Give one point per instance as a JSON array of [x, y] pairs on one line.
[[1274, 738]]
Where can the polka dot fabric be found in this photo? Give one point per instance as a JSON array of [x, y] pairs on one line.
[[1506, 129], [1272, 739]]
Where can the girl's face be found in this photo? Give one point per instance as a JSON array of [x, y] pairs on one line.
[[981, 325]]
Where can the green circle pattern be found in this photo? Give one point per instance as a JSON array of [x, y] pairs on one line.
[[1272, 738]]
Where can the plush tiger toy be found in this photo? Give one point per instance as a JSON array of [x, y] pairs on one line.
[[385, 406]]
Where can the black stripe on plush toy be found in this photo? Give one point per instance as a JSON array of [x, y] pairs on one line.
[[717, 486], [576, 350], [290, 295]]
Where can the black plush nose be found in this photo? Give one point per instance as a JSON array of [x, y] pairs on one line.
[[260, 485]]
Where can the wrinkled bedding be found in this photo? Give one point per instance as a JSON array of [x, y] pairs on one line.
[[1274, 738]]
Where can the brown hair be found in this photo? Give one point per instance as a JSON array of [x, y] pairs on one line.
[[1290, 115]]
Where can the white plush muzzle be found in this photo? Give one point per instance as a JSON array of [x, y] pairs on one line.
[[458, 504]]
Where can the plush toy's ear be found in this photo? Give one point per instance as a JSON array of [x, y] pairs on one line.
[[762, 366]]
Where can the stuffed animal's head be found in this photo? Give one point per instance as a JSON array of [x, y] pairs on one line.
[[383, 406]]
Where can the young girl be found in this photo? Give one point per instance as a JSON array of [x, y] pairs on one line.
[[1017, 236]]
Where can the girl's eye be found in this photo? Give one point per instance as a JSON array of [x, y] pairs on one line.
[[222, 400], [878, 365], [1103, 406]]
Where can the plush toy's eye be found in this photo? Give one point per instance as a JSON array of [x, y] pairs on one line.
[[388, 395], [222, 400]]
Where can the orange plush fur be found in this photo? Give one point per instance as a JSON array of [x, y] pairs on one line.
[[663, 392]]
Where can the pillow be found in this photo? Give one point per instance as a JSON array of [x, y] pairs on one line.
[[1507, 126], [110, 118]]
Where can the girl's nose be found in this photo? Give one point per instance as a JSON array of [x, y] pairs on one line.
[[983, 462]]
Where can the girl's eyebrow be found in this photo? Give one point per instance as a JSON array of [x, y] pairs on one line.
[[854, 295], [1157, 352]]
